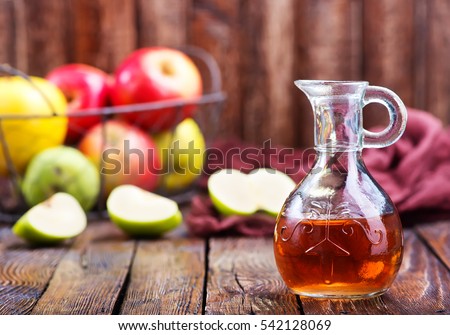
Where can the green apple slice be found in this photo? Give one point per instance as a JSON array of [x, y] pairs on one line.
[[142, 213], [58, 218], [272, 187], [231, 192]]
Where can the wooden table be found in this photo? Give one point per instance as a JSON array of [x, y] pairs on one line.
[[105, 272]]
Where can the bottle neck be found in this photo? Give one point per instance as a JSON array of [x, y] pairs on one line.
[[344, 162], [338, 123]]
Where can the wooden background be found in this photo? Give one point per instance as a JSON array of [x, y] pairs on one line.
[[262, 46]]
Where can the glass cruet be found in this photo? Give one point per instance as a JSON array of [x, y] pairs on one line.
[[338, 234]]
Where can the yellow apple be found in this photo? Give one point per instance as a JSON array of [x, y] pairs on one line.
[[28, 124], [182, 153]]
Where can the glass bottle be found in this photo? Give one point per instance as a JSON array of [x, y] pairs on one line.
[[338, 234]]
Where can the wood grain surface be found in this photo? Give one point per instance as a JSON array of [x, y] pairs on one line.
[[261, 47], [437, 236], [386, 52], [243, 279], [423, 283], [268, 50], [45, 21], [24, 272], [328, 48], [7, 35], [215, 26], [103, 32], [420, 66], [438, 48], [90, 276], [163, 22], [166, 278], [105, 272]]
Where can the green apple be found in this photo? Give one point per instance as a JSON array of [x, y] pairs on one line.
[[61, 169], [233, 192], [58, 218], [142, 213], [182, 154], [272, 187]]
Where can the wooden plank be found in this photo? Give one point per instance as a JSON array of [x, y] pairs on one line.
[[104, 31], [163, 22], [243, 279], [388, 54], [420, 70], [328, 48], [438, 84], [89, 278], [24, 272], [421, 287], [13, 33], [423, 283], [341, 306], [268, 46], [279, 49], [45, 23], [215, 27], [437, 236], [167, 277], [7, 43]]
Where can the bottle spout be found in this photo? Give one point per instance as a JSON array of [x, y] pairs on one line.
[[330, 88], [337, 107]]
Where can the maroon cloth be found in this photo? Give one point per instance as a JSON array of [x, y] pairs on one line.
[[204, 220], [415, 172]]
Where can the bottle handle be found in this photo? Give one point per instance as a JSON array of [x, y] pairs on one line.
[[397, 117]]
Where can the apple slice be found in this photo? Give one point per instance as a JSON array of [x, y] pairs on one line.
[[58, 218], [142, 213], [272, 187], [233, 192]]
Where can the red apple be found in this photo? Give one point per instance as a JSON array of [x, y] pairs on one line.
[[156, 74], [126, 155], [84, 87]]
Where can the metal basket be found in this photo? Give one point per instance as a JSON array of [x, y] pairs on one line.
[[207, 112]]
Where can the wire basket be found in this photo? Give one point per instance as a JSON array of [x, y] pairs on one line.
[[205, 110]]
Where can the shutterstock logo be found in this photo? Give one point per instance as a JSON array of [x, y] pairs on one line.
[[186, 158]]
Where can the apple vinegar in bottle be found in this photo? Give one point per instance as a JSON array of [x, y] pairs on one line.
[[338, 234]]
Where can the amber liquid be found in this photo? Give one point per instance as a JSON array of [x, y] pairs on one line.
[[348, 258]]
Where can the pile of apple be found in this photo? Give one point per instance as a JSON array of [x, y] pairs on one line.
[[60, 157], [147, 75]]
